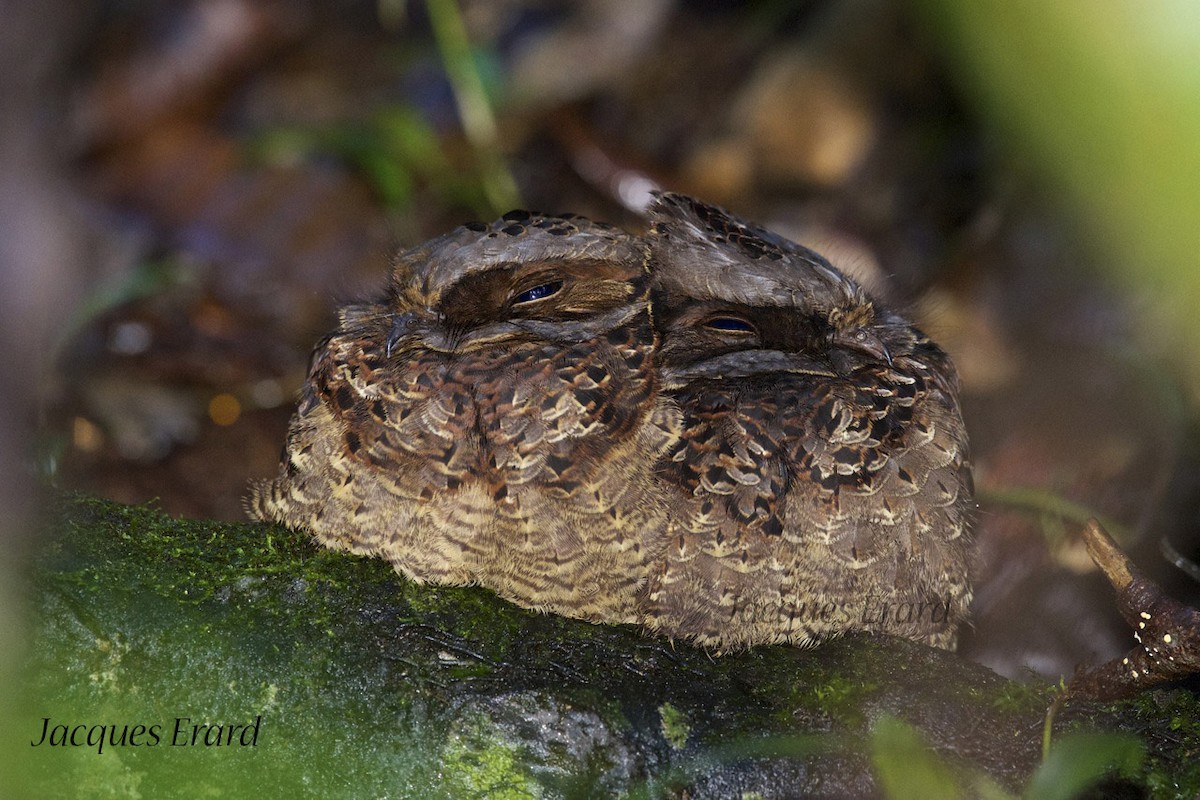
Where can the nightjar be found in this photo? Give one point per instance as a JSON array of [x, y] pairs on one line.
[[494, 419], [821, 483]]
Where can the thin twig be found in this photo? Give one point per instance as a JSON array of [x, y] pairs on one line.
[[1178, 560], [1167, 631]]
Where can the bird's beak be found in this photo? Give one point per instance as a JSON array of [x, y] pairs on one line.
[[869, 344], [401, 325]]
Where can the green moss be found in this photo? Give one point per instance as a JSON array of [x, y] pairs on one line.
[[1018, 696], [675, 725], [99, 777], [838, 694], [371, 685], [478, 761], [1169, 722]]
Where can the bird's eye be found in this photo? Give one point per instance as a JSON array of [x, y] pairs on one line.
[[539, 292], [730, 325]]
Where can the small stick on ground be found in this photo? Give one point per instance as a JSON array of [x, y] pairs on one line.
[[1168, 632]]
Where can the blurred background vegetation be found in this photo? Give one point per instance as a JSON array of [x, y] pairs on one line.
[[1104, 101], [192, 188]]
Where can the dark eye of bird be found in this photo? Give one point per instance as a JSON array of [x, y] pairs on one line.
[[539, 292], [730, 324]]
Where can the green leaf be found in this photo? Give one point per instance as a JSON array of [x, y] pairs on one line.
[[906, 766], [1079, 760]]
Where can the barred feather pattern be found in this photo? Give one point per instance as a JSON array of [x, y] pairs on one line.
[[523, 462], [814, 490]]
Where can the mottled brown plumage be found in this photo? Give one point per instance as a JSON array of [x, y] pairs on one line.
[[494, 419], [821, 482]]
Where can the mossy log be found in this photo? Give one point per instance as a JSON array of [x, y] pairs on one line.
[[346, 681]]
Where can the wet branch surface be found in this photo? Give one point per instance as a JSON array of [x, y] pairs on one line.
[[1167, 631], [369, 685]]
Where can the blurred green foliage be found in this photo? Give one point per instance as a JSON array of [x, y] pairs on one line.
[[146, 279], [463, 67], [396, 151], [1079, 760], [908, 768], [1052, 511], [1104, 100]]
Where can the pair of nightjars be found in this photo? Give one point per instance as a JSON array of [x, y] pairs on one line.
[[707, 430]]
